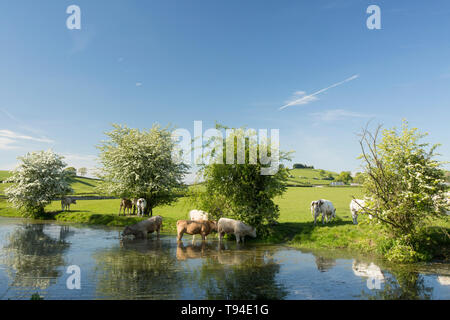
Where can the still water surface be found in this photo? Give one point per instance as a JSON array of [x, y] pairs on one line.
[[34, 257]]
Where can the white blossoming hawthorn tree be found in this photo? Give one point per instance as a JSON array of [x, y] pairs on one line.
[[36, 181], [139, 164]]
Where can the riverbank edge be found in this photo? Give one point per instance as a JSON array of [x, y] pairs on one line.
[[362, 238]]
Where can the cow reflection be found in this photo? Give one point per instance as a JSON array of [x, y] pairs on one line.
[[195, 250], [444, 280], [366, 270]]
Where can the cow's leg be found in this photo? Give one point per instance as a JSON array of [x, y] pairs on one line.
[[323, 216], [180, 235]]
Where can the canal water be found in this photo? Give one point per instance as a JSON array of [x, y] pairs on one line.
[[37, 258]]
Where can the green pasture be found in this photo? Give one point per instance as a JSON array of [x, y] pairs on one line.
[[309, 177]]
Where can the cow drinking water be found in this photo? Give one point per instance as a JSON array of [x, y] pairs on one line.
[[236, 227]]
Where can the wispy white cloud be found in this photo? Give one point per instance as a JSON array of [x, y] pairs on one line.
[[16, 136], [138, 84], [338, 114], [7, 144], [305, 99]]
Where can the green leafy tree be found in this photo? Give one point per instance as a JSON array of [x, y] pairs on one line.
[[359, 178], [39, 178], [405, 184], [239, 190], [139, 164], [82, 171], [71, 171], [345, 177]]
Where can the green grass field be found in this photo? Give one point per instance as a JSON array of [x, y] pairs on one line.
[[309, 177], [81, 186]]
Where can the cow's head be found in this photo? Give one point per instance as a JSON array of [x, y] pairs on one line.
[[73, 201], [127, 231], [315, 207], [213, 225], [252, 232]]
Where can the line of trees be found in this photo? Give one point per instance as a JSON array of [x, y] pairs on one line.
[[403, 183]]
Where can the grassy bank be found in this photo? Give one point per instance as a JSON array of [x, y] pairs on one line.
[[295, 225]]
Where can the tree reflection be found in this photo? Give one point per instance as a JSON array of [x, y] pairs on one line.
[[324, 264], [246, 274], [402, 284], [138, 269], [32, 256]]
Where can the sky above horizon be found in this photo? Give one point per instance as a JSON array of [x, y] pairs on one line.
[[311, 69]]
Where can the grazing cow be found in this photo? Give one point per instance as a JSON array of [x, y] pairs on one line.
[[198, 215], [141, 229], [325, 207], [195, 227], [141, 204], [357, 205], [66, 202], [124, 205], [236, 227]]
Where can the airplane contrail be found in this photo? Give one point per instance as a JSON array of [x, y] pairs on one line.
[[311, 97]]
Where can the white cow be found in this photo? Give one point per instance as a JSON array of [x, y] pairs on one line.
[[66, 202], [236, 227], [356, 206], [324, 207], [198, 215], [141, 204]]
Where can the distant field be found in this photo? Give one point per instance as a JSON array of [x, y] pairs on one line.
[[309, 177], [81, 186]]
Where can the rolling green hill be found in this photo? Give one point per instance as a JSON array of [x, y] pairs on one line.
[[81, 186], [310, 177]]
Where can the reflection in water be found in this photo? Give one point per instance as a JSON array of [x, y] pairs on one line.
[[404, 285], [240, 274], [33, 254], [366, 270], [138, 269], [324, 264], [444, 280], [195, 250]]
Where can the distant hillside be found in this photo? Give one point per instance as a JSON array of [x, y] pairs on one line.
[[81, 186], [310, 177]]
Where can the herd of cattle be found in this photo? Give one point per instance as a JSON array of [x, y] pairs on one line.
[[200, 223]]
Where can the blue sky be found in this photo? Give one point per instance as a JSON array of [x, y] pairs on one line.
[[235, 62]]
